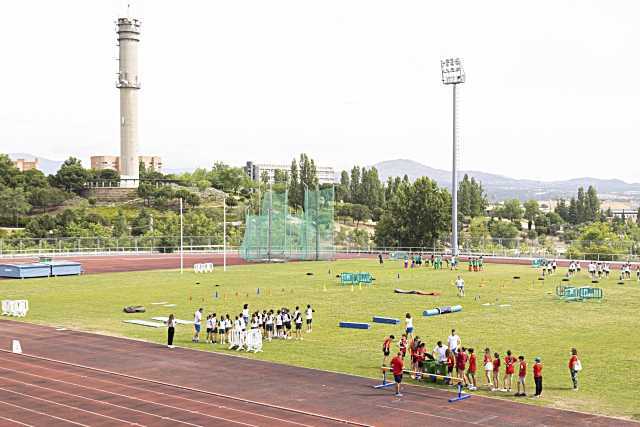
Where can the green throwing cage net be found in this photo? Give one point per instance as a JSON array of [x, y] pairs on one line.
[[278, 234]]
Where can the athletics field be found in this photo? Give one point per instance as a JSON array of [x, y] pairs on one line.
[[522, 315]]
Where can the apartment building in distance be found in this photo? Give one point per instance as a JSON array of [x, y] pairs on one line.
[[325, 174], [26, 165], [113, 162]]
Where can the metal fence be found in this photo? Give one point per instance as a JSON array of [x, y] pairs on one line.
[[622, 250]]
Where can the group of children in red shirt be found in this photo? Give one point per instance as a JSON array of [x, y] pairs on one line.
[[465, 362]]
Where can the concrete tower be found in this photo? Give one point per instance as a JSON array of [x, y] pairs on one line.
[[128, 83]]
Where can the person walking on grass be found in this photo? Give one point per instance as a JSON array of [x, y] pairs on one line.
[[509, 363], [171, 330], [409, 325], [575, 366], [496, 372], [397, 367], [471, 372], [460, 286], [386, 348], [487, 363], [197, 318], [522, 377], [537, 377]]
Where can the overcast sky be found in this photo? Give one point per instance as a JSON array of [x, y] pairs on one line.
[[552, 87]]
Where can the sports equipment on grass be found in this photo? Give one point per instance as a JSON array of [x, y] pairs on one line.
[[18, 308], [387, 320], [355, 278], [354, 325], [145, 323], [414, 292], [461, 395], [178, 321], [442, 310]]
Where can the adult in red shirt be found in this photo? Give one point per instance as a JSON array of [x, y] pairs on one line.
[[574, 367], [397, 366], [496, 371], [537, 376], [509, 363], [461, 363]]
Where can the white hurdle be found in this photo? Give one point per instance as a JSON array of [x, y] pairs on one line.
[[206, 267], [246, 340], [17, 308]]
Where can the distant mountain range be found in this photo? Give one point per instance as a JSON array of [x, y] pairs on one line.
[[500, 187]]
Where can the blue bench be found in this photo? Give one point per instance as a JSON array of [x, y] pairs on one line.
[[387, 320], [354, 325]]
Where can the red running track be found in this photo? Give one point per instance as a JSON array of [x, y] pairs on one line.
[[68, 378]]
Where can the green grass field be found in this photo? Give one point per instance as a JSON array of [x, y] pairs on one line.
[[536, 324]]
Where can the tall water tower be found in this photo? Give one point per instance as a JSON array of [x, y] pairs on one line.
[[128, 83]]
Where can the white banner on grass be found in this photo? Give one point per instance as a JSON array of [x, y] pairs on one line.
[[18, 308]]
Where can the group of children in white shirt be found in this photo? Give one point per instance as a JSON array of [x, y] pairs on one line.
[[280, 323]]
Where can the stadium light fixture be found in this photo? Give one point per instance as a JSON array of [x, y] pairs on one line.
[[453, 74]]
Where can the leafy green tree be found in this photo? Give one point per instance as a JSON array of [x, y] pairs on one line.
[[360, 213], [510, 210], [9, 173], [71, 176], [418, 215], [34, 179], [295, 196], [531, 210], [479, 230], [343, 190], [46, 197], [472, 200], [120, 225], [592, 204], [562, 209], [354, 182], [13, 203], [503, 230]]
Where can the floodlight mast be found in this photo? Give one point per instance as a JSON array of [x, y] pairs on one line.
[[453, 74]]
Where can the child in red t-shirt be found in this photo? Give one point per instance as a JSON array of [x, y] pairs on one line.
[[386, 348], [461, 364], [522, 376], [471, 372], [496, 372], [403, 345], [451, 363], [509, 363], [537, 376]]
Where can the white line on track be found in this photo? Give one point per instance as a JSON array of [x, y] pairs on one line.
[[91, 400], [173, 396], [130, 398], [180, 387], [11, 420], [455, 420], [2, 402]]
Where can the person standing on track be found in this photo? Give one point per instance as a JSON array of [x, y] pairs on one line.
[[197, 318], [397, 366], [522, 377], [171, 330]]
